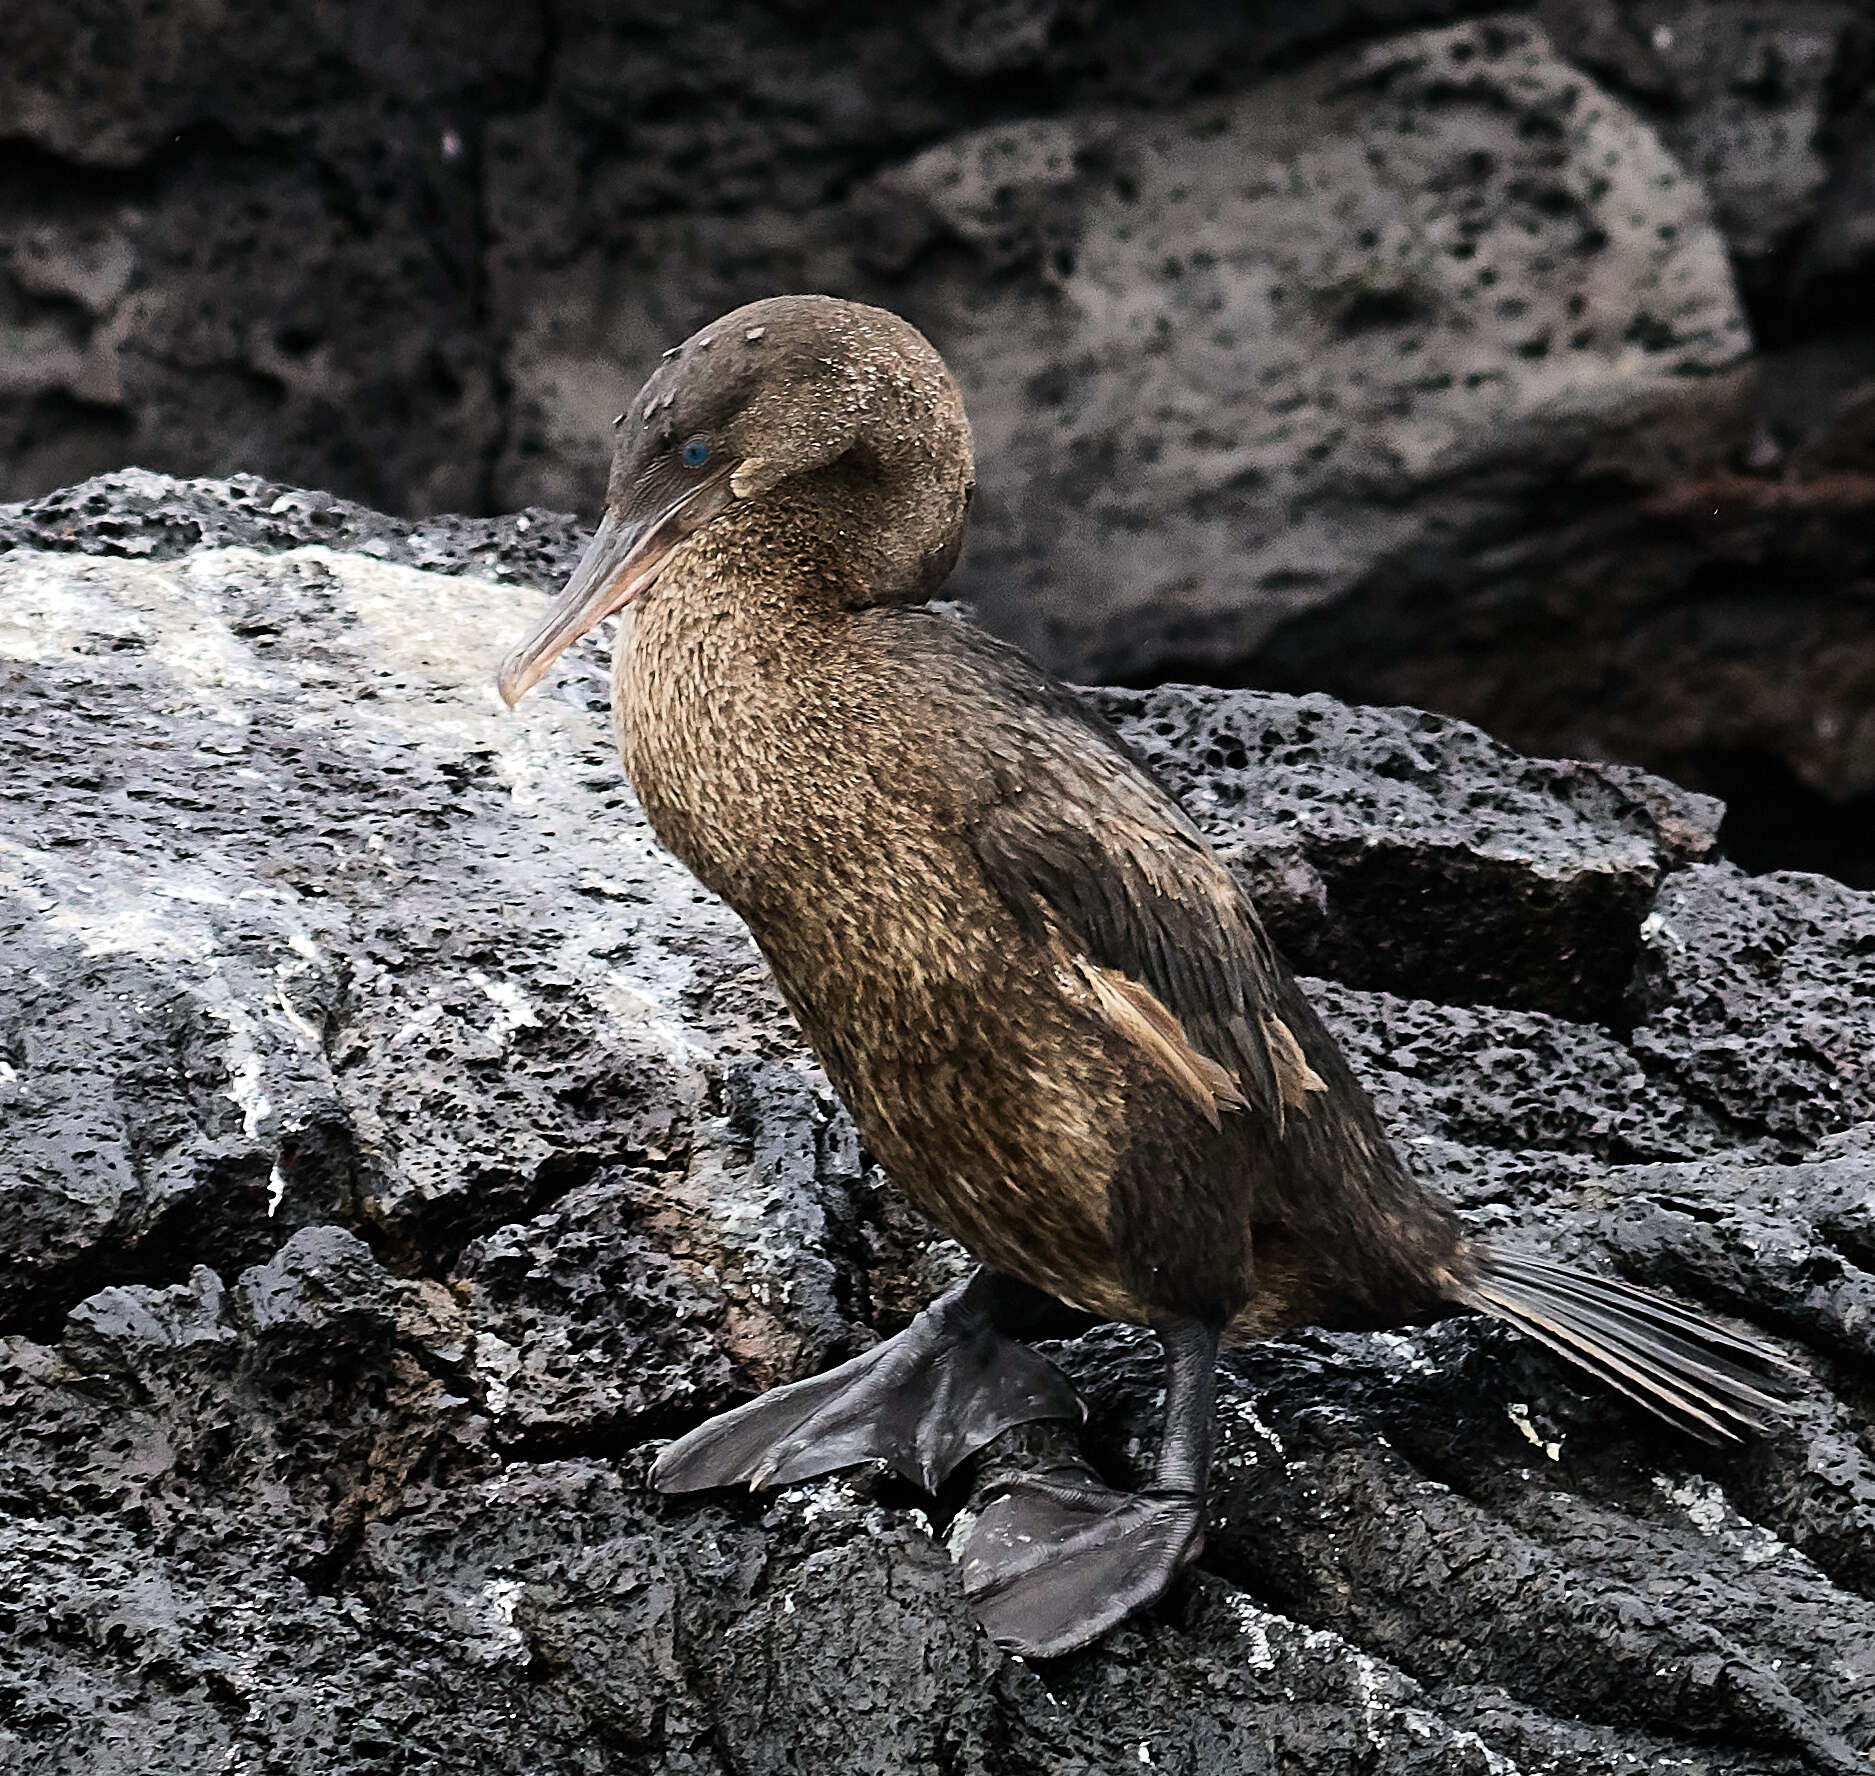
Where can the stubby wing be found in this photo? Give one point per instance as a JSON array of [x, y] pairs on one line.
[[1104, 868]]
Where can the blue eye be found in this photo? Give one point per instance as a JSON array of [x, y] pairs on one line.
[[694, 454]]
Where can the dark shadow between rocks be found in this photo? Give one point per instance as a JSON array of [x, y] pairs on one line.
[[1774, 821]]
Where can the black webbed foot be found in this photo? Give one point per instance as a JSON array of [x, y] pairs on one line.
[[920, 1402], [1054, 1562], [1058, 1558]]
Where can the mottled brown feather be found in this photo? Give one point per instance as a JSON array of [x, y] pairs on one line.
[[1055, 1016], [1295, 1076], [1155, 1032]]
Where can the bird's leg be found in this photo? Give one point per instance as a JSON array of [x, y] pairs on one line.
[[1058, 1559], [921, 1402]]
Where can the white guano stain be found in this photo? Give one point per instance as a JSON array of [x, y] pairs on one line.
[[419, 1022], [1247, 1414], [500, 1599], [1712, 1514], [1519, 1414], [644, 1015], [1367, 1676], [512, 1011], [1254, 1624], [497, 1363]]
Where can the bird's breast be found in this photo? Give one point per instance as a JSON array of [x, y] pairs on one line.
[[794, 782]]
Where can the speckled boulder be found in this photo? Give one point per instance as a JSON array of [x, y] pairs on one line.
[[1246, 320]]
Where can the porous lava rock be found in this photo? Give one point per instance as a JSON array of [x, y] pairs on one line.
[[395, 1145], [1513, 361]]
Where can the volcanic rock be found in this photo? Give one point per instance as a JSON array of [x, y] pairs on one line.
[[395, 1146]]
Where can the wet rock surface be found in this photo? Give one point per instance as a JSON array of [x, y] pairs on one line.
[[394, 1146]]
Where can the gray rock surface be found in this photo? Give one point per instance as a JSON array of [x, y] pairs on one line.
[[1409, 350], [1752, 79], [1300, 329], [394, 1146]]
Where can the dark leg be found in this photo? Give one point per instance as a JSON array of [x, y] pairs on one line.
[[1184, 1464], [1054, 1562], [952, 1381]]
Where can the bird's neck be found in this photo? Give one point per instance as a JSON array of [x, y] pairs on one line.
[[735, 702], [859, 533]]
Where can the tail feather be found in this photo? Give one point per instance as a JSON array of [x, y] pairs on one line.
[[1685, 1368], [1659, 1310]]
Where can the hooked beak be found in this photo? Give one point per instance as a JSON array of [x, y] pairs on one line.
[[623, 558]]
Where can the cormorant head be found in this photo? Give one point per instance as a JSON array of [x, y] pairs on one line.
[[838, 418]]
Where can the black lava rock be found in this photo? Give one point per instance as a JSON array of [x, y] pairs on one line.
[[395, 1145]]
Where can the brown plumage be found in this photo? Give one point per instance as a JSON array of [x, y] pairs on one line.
[[1055, 1016]]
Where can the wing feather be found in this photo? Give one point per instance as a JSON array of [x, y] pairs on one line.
[[1102, 865], [1092, 855]]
